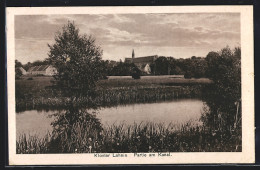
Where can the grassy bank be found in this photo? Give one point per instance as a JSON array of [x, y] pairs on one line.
[[146, 137], [39, 93]]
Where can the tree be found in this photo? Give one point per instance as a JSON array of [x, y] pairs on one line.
[[161, 66], [18, 64], [18, 73], [136, 73], [223, 96], [78, 61], [125, 69], [27, 66]]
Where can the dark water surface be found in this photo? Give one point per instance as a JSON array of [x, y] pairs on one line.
[[177, 112]]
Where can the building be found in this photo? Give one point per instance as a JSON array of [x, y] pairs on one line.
[[46, 70], [24, 72], [147, 69], [143, 63]]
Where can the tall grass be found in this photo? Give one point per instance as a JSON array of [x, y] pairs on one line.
[[40, 94], [87, 137], [28, 144], [112, 97]]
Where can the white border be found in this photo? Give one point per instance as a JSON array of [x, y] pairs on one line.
[[248, 137]]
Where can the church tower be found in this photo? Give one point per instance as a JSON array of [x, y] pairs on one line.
[[133, 55]]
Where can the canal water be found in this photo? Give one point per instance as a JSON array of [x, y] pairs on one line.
[[177, 112]]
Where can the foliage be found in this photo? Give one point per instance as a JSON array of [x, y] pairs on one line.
[[125, 69], [74, 131], [136, 73], [78, 61], [18, 64], [18, 73], [160, 66], [28, 65], [191, 67], [223, 96], [188, 75]]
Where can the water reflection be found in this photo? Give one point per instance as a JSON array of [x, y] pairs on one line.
[[177, 111]]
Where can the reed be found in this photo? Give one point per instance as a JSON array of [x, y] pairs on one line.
[[40, 93], [28, 144], [112, 97], [143, 137]]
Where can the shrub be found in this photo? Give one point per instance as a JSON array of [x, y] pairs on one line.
[[136, 76], [18, 73], [187, 75], [136, 73], [30, 78]]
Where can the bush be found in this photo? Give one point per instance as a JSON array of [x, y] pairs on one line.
[[30, 78], [136, 76], [40, 75], [187, 75], [105, 77], [18, 73]]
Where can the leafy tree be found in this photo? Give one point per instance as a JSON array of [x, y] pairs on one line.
[[18, 64], [125, 69], [160, 66], [78, 61], [188, 75], [105, 68], [18, 73], [199, 67], [224, 95], [27, 66], [136, 73], [178, 71], [39, 62]]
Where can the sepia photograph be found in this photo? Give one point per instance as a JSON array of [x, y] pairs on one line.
[[130, 84]]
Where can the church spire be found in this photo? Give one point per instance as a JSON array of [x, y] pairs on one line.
[[133, 54]]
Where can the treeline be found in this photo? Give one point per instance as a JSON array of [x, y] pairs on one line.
[[194, 67], [191, 67]]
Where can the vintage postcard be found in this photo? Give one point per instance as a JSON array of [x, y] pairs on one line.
[[130, 85]]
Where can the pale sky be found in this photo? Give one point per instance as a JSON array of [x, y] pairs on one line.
[[176, 35]]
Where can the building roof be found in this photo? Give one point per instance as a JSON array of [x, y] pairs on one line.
[[21, 68], [31, 69], [43, 67], [38, 68], [142, 59]]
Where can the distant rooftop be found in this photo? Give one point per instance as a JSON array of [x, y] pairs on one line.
[[38, 68], [146, 59]]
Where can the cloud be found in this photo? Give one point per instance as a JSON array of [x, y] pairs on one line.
[[123, 19], [121, 32], [198, 28]]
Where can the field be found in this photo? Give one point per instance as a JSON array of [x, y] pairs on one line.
[[125, 81]]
